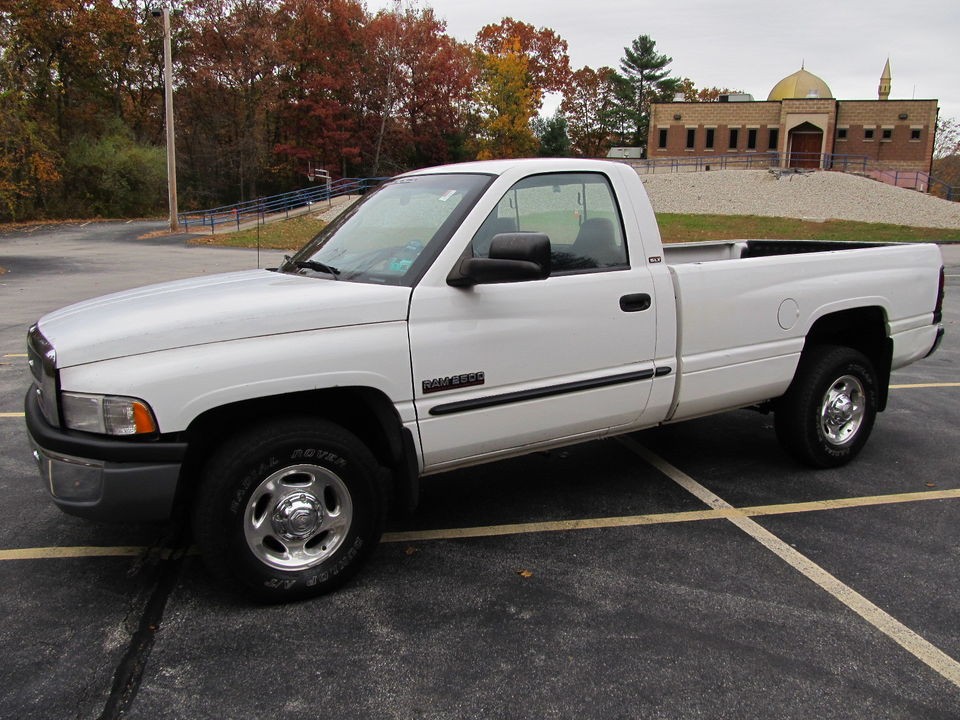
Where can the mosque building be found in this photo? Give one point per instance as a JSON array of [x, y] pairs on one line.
[[802, 122]]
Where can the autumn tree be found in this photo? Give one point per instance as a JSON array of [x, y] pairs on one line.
[[321, 43], [643, 79], [417, 85], [548, 65], [28, 165], [590, 107], [227, 99], [691, 93], [65, 68], [507, 103], [946, 158], [442, 76]]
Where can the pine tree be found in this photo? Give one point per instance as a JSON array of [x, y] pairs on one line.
[[551, 132], [644, 78]]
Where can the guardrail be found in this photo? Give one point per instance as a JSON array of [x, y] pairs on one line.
[[284, 204]]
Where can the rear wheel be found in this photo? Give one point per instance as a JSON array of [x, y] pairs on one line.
[[289, 509], [826, 415]]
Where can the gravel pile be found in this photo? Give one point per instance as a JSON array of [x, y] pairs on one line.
[[810, 196]]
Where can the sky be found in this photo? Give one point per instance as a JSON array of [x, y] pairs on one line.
[[750, 45]]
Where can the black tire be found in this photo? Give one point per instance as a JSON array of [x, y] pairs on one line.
[[827, 413], [289, 509]]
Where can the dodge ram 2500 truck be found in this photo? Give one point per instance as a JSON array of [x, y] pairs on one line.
[[457, 315]]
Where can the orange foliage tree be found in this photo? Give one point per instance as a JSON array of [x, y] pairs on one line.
[[506, 102], [590, 106]]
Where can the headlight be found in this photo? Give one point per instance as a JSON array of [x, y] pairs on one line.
[[107, 414]]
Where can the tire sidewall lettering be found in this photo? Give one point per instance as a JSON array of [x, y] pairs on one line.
[[335, 461], [240, 465]]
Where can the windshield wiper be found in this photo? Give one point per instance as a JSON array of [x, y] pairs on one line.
[[314, 265]]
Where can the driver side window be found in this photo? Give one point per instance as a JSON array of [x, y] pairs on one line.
[[577, 211]]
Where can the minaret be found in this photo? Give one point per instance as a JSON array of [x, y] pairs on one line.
[[884, 89]]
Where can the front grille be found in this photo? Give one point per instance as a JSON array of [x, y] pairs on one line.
[[42, 359]]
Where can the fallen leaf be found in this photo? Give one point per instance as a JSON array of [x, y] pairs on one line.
[[412, 550], [525, 573], [931, 484]]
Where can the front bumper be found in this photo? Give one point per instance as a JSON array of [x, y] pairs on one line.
[[101, 478]]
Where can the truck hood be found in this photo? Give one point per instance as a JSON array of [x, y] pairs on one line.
[[214, 308]]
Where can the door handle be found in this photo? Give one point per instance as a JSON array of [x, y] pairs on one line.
[[636, 302]]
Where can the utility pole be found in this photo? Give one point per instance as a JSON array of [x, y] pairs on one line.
[[168, 103]]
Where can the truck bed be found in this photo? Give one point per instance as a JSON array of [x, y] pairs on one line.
[[681, 253], [742, 325]]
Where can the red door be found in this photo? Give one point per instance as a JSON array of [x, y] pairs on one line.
[[806, 145]]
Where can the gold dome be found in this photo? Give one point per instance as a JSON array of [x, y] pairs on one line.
[[801, 84]]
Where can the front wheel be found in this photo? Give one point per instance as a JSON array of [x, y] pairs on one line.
[[827, 413], [289, 509]]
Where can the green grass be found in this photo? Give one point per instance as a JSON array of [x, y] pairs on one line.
[[293, 234], [283, 235], [676, 228]]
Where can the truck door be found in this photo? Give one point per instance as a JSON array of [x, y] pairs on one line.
[[500, 367]]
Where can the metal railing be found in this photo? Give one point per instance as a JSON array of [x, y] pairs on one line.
[[300, 201], [859, 164], [285, 204], [916, 180], [749, 161]]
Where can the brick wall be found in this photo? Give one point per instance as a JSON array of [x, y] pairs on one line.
[[901, 143], [721, 118], [904, 143]]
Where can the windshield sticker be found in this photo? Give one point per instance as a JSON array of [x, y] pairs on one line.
[[447, 195]]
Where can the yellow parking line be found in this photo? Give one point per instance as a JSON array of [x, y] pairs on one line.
[[667, 518], [925, 385], [52, 553], [11, 415], [15, 355], [853, 502], [550, 526], [48, 553]]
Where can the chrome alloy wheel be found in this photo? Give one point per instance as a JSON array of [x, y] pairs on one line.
[[297, 517], [843, 410]]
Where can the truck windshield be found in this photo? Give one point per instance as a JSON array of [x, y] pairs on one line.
[[392, 235]]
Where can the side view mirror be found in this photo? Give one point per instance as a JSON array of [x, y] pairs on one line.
[[514, 257]]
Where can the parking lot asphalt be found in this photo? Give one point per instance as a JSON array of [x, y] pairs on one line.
[[691, 571]]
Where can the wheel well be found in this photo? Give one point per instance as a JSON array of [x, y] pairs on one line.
[[365, 412], [863, 329]]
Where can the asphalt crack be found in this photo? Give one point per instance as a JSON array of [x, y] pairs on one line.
[[168, 558]]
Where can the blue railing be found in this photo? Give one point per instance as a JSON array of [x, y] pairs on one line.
[[284, 204]]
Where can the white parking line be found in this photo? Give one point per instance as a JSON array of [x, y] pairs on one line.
[[881, 620]]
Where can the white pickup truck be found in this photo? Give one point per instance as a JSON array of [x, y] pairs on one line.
[[455, 316]]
